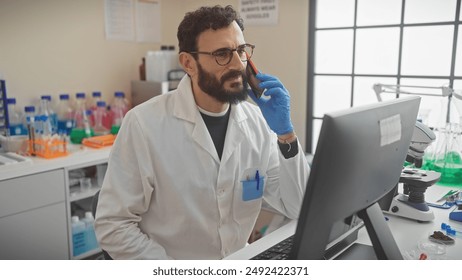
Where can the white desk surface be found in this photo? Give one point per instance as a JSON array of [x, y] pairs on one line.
[[407, 233]]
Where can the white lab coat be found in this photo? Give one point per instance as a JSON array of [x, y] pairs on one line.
[[166, 194]]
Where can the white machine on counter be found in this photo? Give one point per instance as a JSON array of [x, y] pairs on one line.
[[163, 73], [160, 63]]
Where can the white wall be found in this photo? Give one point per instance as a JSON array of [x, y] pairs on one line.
[[53, 47]]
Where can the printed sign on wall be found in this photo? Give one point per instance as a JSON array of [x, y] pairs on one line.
[[259, 12]]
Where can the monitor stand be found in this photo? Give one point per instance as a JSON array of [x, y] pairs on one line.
[[383, 246], [383, 243]]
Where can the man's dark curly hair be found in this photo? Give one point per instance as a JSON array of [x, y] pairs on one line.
[[204, 18]]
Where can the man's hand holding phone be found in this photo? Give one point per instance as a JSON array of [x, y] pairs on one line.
[[276, 108]]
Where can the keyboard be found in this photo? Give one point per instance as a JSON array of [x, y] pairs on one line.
[[280, 251]]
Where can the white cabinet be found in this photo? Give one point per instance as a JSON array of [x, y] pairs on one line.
[[39, 234], [38, 199], [33, 222]]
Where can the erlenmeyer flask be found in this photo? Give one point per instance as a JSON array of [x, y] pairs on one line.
[[447, 155]]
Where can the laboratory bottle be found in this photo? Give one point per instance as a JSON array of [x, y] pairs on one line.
[[170, 61], [87, 124], [46, 110], [82, 123], [118, 109], [89, 114], [65, 114], [80, 108], [119, 97], [99, 115], [15, 118], [159, 63], [91, 242], [29, 123], [79, 230], [46, 130], [96, 96], [154, 66], [42, 121], [28, 119]]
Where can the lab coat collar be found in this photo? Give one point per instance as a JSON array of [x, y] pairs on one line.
[[185, 108]]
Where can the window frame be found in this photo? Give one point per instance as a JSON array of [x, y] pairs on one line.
[[312, 29]]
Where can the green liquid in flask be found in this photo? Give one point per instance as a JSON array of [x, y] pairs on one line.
[[450, 168]]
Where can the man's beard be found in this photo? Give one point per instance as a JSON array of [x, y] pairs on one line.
[[215, 88]]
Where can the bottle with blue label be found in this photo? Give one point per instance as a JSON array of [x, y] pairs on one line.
[[15, 119], [79, 244], [65, 114], [91, 242], [46, 110]]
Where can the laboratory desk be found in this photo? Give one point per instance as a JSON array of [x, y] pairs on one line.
[[407, 233], [37, 199]]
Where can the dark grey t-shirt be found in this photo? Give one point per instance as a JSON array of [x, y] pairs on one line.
[[217, 126]]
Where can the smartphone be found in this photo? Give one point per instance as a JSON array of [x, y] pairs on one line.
[[251, 72]]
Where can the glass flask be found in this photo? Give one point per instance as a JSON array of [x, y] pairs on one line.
[[446, 157]]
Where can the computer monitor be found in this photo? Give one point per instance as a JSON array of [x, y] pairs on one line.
[[358, 159]]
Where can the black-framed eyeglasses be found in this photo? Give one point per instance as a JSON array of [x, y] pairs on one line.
[[223, 56]]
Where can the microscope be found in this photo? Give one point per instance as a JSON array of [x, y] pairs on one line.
[[411, 203]]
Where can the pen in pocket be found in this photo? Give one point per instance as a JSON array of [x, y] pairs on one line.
[[257, 178]]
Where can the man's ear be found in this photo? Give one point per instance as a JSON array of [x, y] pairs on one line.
[[188, 63]]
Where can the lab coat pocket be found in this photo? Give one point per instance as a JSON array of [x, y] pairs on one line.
[[248, 197], [252, 184], [252, 189]]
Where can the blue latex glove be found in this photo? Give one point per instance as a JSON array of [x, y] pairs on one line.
[[275, 109]]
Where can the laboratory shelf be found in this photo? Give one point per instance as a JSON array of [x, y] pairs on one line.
[[80, 201], [76, 194]]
